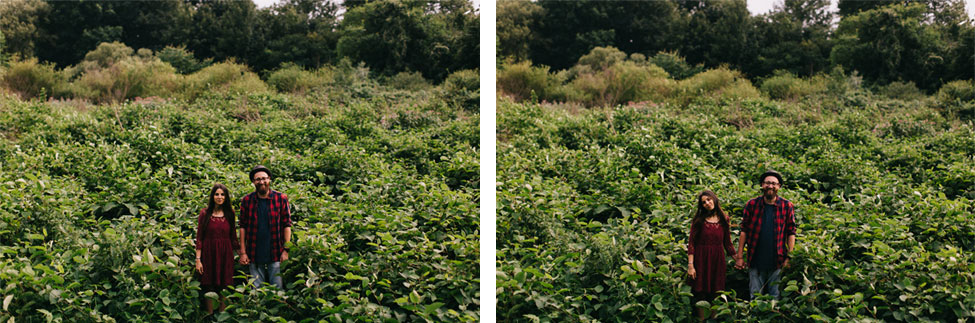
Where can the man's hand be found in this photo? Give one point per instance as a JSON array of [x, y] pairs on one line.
[[284, 255], [740, 263], [786, 263], [244, 260]]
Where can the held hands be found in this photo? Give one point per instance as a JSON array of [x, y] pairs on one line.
[[243, 259], [739, 262]]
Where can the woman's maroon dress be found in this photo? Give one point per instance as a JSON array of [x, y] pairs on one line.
[[216, 252], [709, 256]]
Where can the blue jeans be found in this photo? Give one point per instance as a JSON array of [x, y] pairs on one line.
[[269, 272], [757, 279]]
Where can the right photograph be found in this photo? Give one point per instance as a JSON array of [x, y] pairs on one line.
[[784, 161]]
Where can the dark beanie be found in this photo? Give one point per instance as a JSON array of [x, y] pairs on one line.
[[260, 168], [764, 175]]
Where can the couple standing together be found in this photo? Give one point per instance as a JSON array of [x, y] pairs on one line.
[[265, 230], [768, 228]]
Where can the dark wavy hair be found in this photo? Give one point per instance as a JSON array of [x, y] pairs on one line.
[[228, 211], [703, 213]]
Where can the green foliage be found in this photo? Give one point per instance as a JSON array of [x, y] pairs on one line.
[[29, 79], [520, 80], [226, 77], [410, 81], [675, 65], [100, 205], [902, 91], [182, 60], [594, 207], [958, 98], [294, 79], [716, 83], [111, 73], [618, 83], [785, 86], [462, 90]]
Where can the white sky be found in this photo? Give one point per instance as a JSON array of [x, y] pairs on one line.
[[757, 7], [268, 3]]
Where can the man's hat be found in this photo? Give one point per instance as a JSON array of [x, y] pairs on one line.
[[260, 168], [764, 175]]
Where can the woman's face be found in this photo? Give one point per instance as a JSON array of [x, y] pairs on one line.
[[219, 196], [707, 203]]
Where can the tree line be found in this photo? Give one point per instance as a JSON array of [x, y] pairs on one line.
[[925, 42], [433, 38]]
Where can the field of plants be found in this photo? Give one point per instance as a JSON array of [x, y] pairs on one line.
[[594, 205], [98, 202]]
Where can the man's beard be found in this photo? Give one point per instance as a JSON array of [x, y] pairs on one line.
[[769, 193]]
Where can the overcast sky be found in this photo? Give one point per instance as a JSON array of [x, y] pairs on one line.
[[756, 7]]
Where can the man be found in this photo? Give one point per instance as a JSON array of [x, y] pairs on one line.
[[769, 229], [265, 229]]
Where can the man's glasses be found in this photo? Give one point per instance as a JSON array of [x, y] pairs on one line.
[[770, 183]]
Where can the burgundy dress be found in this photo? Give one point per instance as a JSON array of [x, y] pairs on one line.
[[709, 256], [217, 247]]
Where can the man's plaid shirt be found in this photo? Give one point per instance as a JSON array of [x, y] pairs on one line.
[[279, 219], [785, 226]]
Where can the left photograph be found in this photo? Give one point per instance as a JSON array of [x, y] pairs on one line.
[[243, 161]]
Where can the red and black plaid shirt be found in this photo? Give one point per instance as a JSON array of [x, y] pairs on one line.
[[785, 226], [279, 219]]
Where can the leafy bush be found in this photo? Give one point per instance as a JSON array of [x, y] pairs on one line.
[[462, 90], [225, 77], [620, 83], [785, 86], [958, 98], [128, 78], [31, 79], [293, 78], [718, 83], [675, 65], [520, 80], [594, 207], [182, 59], [410, 81], [901, 91]]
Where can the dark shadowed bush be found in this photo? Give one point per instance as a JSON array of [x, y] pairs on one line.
[[182, 59], [462, 90]]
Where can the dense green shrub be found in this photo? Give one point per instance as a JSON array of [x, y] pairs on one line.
[[293, 78], [785, 86], [182, 59], [31, 79], [100, 205], [901, 91], [128, 78], [522, 81], [462, 90], [958, 98], [224, 77], [718, 83], [619, 83], [675, 65], [594, 207], [410, 81]]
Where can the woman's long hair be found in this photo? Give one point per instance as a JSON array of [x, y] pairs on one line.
[[703, 213], [228, 211]]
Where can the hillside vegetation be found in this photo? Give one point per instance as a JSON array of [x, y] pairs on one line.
[[594, 205], [100, 187]]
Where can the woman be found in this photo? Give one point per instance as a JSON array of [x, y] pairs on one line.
[[710, 237], [216, 241]]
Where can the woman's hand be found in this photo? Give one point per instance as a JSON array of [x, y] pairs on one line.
[[199, 266], [691, 272]]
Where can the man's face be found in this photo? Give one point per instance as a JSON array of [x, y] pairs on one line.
[[219, 197], [770, 187], [262, 182]]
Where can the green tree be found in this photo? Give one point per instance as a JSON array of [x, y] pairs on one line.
[[892, 43], [298, 31], [516, 20], [794, 37], [18, 21], [718, 32], [569, 29], [224, 29]]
